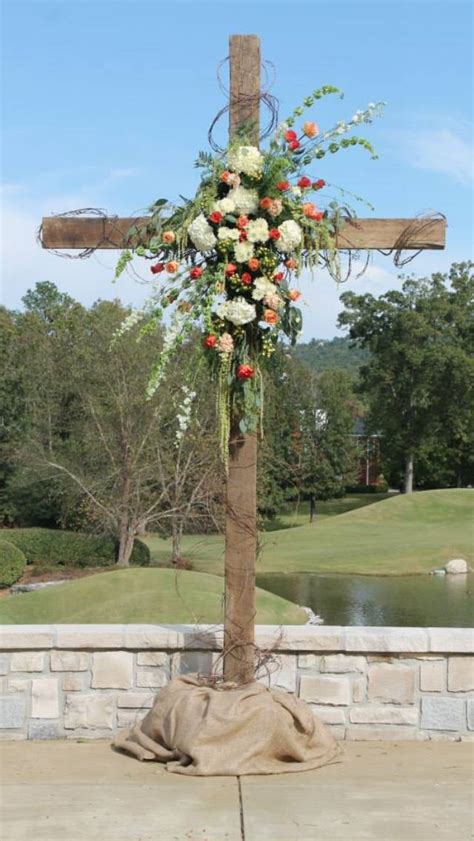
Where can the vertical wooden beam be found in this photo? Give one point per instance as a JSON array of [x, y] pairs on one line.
[[241, 498]]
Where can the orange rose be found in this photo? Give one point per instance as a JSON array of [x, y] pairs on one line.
[[172, 266], [225, 176], [253, 264], [310, 129], [294, 294], [291, 263], [168, 236], [309, 208], [266, 202], [270, 316]]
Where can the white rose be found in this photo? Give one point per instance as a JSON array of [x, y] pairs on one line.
[[243, 251], [225, 205], [245, 201], [228, 233], [201, 234], [246, 159], [257, 230], [238, 311], [262, 286]]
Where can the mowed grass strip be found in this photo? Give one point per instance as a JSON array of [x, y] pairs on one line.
[[405, 534], [151, 596]]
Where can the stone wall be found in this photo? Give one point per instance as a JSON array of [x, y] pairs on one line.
[[88, 681]]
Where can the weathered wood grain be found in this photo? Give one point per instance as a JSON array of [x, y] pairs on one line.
[[78, 232], [244, 53]]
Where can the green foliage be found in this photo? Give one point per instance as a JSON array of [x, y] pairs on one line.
[[72, 549], [12, 563], [326, 354]]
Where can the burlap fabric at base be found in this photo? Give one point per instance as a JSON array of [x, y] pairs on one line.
[[206, 731]]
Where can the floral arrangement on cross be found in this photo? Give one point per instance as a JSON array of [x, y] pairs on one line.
[[229, 259]]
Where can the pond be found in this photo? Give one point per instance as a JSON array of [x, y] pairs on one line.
[[415, 600]]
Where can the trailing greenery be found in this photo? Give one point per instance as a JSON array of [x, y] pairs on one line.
[[72, 549], [12, 563]]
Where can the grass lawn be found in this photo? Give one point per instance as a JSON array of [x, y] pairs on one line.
[[297, 514], [399, 535], [139, 595]]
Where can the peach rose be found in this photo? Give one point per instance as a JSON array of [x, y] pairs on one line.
[[168, 236], [291, 263], [310, 129], [275, 208], [172, 266], [270, 316], [309, 208], [266, 202], [253, 264], [294, 294]]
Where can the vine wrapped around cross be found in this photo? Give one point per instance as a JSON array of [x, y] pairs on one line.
[[230, 258]]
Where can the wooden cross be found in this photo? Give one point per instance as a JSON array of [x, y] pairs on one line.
[[241, 499]]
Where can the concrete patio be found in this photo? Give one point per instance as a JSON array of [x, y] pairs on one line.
[[84, 791]]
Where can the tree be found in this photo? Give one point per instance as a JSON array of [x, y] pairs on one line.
[[120, 458], [421, 366]]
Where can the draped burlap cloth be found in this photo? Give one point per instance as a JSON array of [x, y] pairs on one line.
[[202, 730]]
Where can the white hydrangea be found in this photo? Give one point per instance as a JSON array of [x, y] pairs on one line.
[[245, 201], [201, 234], [238, 311], [226, 205], [228, 233], [246, 159], [262, 287], [257, 230], [290, 236], [243, 251]]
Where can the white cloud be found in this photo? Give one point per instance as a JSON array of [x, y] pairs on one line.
[[443, 150]]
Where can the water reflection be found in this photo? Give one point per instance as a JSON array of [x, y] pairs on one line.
[[420, 600]]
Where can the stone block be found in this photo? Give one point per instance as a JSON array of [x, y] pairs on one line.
[[151, 678], [73, 683], [325, 690], [452, 640], [128, 718], [44, 698], [392, 640], [443, 713], [460, 674], [309, 661], [12, 712], [93, 711], [43, 730], [391, 683], [136, 700], [92, 637], [359, 733], [152, 658], [338, 731], [156, 636], [190, 662], [18, 684], [470, 714], [359, 689], [69, 661], [27, 661], [340, 663], [112, 670], [21, 637], [3, 664], [284, 676], [329, 715], [383, 714], [433, 675]]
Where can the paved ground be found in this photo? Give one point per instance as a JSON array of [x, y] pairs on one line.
[[70, 791]]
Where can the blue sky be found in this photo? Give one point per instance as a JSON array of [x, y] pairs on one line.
[[106, 104]]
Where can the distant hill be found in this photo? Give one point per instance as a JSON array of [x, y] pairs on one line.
[[323, 354]]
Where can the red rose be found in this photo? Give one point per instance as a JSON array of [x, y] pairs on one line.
[[243, 236], [304, 181], [245, 372], [230, 269], [317, 216], [290, 135], [195, 272], [246, 278], [275, 233], [216, 216], [278, 276], [319, 184], [283, 185], [210, 341], [157, 268], [293, 145]]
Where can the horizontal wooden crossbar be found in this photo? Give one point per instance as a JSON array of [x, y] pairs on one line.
[[74, 232]]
